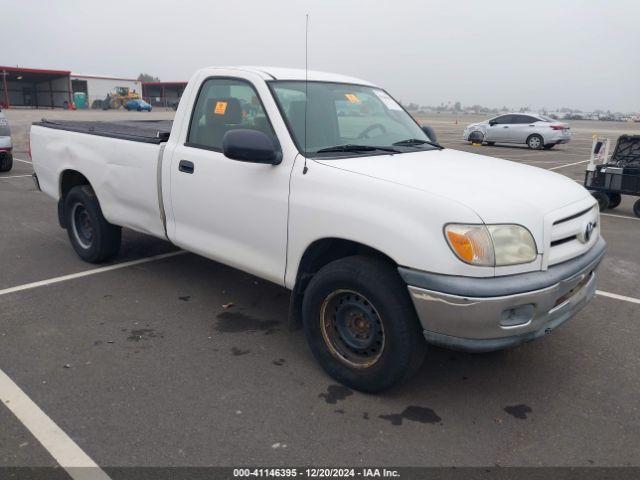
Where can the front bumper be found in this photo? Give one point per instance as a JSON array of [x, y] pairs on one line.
[[486, 314]]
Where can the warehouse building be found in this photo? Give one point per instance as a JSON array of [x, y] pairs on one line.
[[31, 87], [163, 94], [39, 88], [97, 87]]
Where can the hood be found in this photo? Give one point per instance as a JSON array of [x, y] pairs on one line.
[[499, 191]]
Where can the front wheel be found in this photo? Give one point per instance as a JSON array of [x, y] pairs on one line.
[[636, 208], [603, 200], [535, 142], [361, 325], [615, 199], [92, 237]]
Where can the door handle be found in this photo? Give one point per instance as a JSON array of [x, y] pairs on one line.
[[505, 126], [186, 166]]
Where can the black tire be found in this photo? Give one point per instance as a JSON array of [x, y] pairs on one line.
[[375, 301], [636, 208], [603, 200], [614, 199], [549, 146], [491, 144], [93, 238], [535, 142], [6, 162], [476, 137]]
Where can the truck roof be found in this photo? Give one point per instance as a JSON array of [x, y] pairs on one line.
[[279, 73]]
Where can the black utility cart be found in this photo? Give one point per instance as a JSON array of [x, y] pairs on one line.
[[615, 176]]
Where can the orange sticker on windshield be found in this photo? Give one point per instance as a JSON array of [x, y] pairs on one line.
[[352, 97], [221, 108]]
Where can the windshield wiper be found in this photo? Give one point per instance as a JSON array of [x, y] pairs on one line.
[[356, 148], [411, 142]]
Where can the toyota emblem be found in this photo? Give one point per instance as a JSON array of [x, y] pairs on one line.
[[588, 231]]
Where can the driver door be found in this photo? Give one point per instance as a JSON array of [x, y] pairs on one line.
[[231, 211], [499, 131]]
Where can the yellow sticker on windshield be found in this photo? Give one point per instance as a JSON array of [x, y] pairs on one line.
[[352, 97], [221, 108]]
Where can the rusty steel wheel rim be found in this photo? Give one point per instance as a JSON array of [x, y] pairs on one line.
[[352, 328]]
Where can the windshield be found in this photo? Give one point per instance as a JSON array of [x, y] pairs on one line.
[[344, 118]]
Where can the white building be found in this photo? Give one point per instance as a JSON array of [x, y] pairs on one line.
[[98, 86]]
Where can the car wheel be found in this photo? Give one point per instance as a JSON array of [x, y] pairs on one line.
[[476, 137], [603, 200], [535, 142], [636, 208], [92, 237], [6, 162], [361, 325], [614, 199], [549, 146]]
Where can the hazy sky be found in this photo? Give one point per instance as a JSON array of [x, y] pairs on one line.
[[547, 53]]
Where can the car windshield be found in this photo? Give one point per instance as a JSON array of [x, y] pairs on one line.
[[346, 119], [546, 119]]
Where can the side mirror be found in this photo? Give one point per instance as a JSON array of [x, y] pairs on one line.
[[430, 133], [250, 146], [492, 123]]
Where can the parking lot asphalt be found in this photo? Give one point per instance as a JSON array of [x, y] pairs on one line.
[[150, 365]]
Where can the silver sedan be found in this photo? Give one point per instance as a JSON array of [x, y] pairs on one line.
[[535, 131]]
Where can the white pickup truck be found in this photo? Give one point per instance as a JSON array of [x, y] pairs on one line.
[[326, 185]]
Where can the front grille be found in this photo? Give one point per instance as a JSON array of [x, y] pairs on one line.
[[568, 235]]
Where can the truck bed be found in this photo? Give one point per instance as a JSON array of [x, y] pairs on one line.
[[146, 131]]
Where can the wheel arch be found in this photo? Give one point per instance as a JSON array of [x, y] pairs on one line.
[[69, 178], [318, 254], [535, 134]]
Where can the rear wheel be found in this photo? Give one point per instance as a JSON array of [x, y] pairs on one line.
[[535, 142], [614, 199], [361, 325], [603, 200], [6, 162], [92, 237], [636, 208]]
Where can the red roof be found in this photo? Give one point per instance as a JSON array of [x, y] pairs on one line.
[[35, 71]]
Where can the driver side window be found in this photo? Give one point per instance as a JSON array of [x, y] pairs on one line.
[[225, 104]]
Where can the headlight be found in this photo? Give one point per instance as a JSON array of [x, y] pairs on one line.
[[491, 245]]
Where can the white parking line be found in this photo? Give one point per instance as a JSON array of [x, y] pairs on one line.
[[568, 165], [618, 297], [65, 451], [72, 276], [14, 176], [23, 161], [620, 216]]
